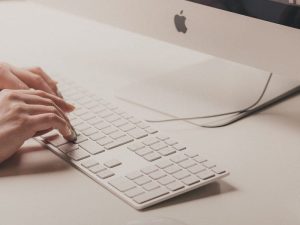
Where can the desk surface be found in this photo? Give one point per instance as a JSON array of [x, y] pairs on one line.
[[37, 187]]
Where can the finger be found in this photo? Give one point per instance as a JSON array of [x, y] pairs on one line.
[[48, 121], [40, 133], [10, 81], [44, 98], [37, 100], [40, 109], [32, 80], [39, 71]]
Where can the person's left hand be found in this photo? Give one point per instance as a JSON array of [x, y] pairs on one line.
[[12, 77]]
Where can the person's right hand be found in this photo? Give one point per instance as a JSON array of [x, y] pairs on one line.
[[27, 113]]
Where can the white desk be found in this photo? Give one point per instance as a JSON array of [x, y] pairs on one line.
[[36, 187]]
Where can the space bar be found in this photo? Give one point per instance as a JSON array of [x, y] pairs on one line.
[[119, 142]]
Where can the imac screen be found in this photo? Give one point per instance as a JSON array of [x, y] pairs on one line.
[[284, 12]]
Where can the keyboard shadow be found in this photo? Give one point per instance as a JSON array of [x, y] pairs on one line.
[[210, 190], [33, 159]]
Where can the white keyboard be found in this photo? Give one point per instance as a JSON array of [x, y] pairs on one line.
[[126, 155]]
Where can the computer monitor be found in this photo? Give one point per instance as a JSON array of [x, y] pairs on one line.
[[250, 40]]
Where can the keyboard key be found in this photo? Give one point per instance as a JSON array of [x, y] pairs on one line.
[[150, 141], [126, 116], [112, 163], [147, 196], [199, 159], [116, 143], [82, 127], [118, 111], [80, 139], [152, 156], [159, 146], [109, 130], [104, 113], [162, 137], [142, 125], [134, 192], [117, 135], [206, 174], [102, 125], [136, 146], [218, 170], [143, 151], [151, 130], [80, 111], [84, 100], [134, 120], [120, 122], [166, 180], [149, 169], [179, 147], [151, 186], [68, 147], [104, 141], [178, 158], [137, 133], [112, 118], [127, 127], [172, 169], [157, 174], [105, 174], [98, 109], [191, 154], [190, 180], [181, 174], [97, 136], [111, 106], [89, 163], [208, 164], [134, 175], [164, 164], [95, 120], [174, 186], [87, 116], [76, 122], [97, 168], [78, 154], [196, 169], [171, 142], [91, 105], [122, 184], [142, 180], [56, 140], [90, 131], [187, 164], [166, 151], [91, 147]]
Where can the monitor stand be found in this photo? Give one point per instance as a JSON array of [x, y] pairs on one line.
[[210, 87]]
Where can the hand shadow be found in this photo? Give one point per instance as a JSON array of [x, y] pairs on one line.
[[210, 190], [32, 159]]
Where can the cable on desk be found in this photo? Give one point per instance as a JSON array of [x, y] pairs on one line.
[[219, 115]]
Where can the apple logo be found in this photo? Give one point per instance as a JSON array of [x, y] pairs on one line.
[[180, 22]]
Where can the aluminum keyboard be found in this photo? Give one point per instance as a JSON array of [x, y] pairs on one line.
[[126, 155]]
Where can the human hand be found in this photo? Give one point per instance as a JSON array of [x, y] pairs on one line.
[[27, 113], [12, 77]]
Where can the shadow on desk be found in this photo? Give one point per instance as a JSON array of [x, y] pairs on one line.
[[32, 159], [210, 190]]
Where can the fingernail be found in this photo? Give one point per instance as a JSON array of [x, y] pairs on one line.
[[72, 135], [72, 106], [59, 94]]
